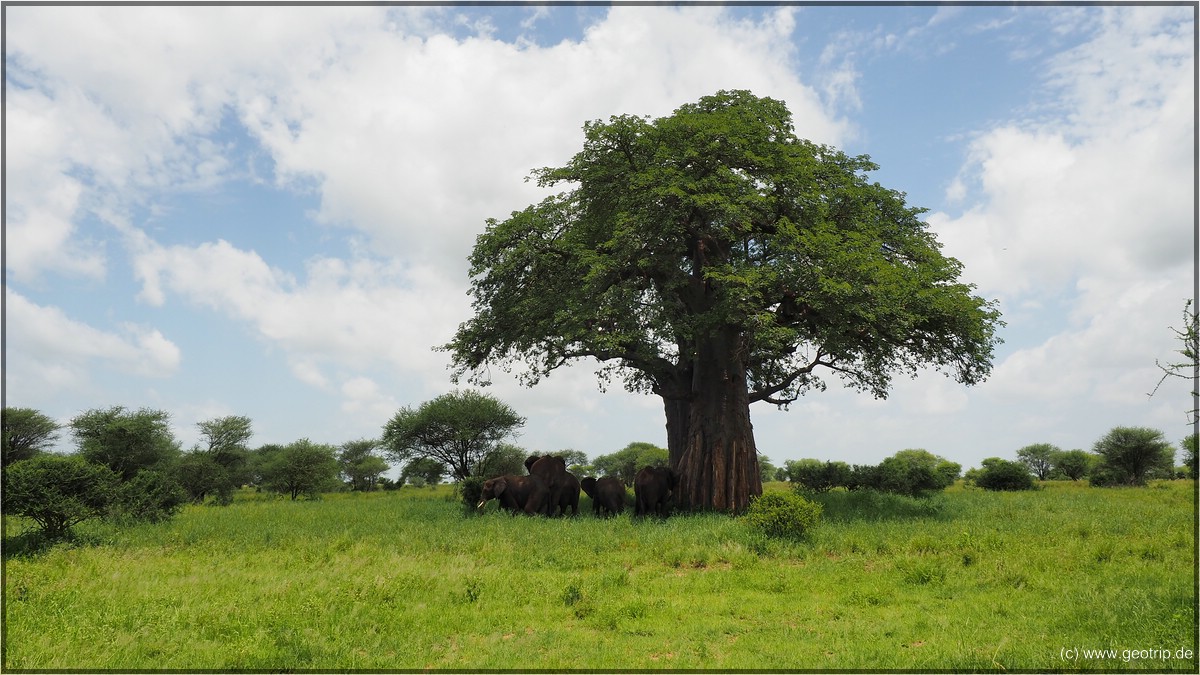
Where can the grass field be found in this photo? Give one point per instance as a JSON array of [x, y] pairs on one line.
[[968, 580]]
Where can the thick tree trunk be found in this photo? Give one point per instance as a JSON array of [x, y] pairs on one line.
[[678, 417], [718, 466]]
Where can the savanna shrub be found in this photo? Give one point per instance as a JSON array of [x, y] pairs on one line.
[[1001, 474], [816, 476], [782, 514], [909, 472], [471, 489], [58, 492]]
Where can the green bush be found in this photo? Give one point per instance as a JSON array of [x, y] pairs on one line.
[[1001, 474], [150, 496], [816, 476], [914, 473], [782, 514], [58, 492]]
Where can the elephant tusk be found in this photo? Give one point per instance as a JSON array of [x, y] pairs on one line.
[[481, 503]]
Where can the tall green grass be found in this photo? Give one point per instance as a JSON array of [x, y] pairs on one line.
[[966, 581]]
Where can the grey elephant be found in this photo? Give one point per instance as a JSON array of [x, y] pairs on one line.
[[527, 494], [563, 486], [654, 489], [607, 493]]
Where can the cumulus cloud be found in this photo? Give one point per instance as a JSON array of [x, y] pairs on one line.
[[416, 141], [1091, 208], [355, 313], [57, 351]]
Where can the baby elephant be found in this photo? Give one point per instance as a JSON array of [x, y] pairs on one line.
[[608, 495], [517, 493]]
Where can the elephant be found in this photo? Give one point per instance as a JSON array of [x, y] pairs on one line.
[[607, 493], [517, 493], [653, 489], [553, 472], [568, 495]]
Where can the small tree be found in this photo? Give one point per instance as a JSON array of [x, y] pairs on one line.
[[126, 442], [815, 476], [1039, 457], [1189, 455], [1131, 456], [1073, 464], [360, 465], [200, 475], [300, 468], [150, 496], [457, 429], [26, 433], [58, 492], [1001, 474], [504, 459], [625, 463], [915, 472], [423, 471]]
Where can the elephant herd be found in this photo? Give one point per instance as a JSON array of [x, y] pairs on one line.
[[550, 489]]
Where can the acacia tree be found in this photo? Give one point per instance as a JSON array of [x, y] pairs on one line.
[[25, 433], [1039, 458], [459, 430], [715, 259]]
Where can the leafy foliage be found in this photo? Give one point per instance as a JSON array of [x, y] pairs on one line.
[[58, 492], [626, 462], [458, 429], [1072, 464], [1039, 458], [150, 496], [714, 249], [24, 433], [360, 465], [908, 472], [1131, 456], [299, 469], [1189, 455], [813, 475], [422, 471], [782, 514], [126, 442], [1001, 474], [222, 464]]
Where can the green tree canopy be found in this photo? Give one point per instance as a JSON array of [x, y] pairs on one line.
[[713, 258], [221, 463], [1073, 464], [457, 429], [57, 492], [26, 432], [299, 469], [360, 465], [1038, 458], [626, 462], [125, 441], [1131, 456]]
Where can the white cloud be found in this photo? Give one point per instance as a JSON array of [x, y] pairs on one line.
[[417, 141], [1102, 191], [355, 314], [57, 352]]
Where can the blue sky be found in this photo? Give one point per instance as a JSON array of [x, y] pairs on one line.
[[266, 211]]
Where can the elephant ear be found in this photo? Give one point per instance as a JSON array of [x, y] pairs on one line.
[[499, 486], [529, 462], [589, 486]]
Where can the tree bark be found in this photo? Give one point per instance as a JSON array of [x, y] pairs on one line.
[[678, 418], [718, 465]]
